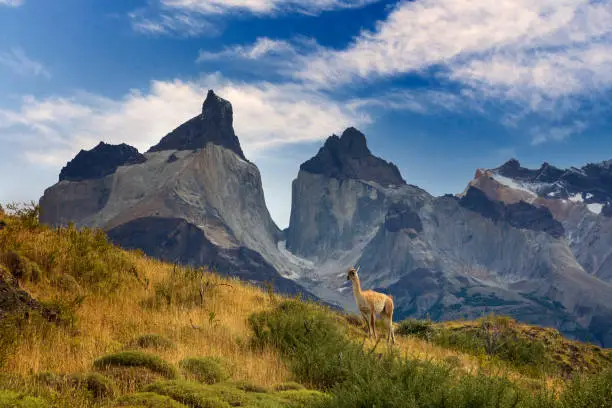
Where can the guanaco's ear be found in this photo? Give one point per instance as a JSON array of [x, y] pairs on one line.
[[357, 270]]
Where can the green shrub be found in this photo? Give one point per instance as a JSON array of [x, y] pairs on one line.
[[423, 329], [589, 391], [97, 384], [320, 354], [20, 266], [154, 341], [148, 400], [287, 386], [226, 395], [312, 340], [250, 387], [137, 359], [208, 370], [10, 399]]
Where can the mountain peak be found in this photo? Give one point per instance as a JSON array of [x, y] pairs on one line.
[[100, 161], [348, 157], [353, 142], [213, 125]]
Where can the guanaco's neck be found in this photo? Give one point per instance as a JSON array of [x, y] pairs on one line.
[[357, 288]]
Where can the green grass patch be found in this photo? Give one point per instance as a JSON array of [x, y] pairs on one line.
[[148, 400], [225, 395], [11, 399], [137, 359], [208, 370], [97, 384], [289, 386]]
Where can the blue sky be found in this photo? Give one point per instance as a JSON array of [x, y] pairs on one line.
[[440, 87]]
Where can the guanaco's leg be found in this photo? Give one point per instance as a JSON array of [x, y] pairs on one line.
[[373, 322], [367, 322]]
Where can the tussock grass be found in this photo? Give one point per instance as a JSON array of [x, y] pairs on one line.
[[208, 370], [137, 359]]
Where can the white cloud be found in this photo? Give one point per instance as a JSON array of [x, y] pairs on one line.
[[533, 52], [262, 47], [52, 130], [263, 6], [17, 60], [11, 3], [197, 17], [556, 133], [180, 24]]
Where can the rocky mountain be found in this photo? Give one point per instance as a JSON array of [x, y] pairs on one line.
[[445, 257], [534, 244], [579, 199], [192, 199]]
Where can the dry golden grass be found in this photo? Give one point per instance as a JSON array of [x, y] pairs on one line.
[[105, 323]]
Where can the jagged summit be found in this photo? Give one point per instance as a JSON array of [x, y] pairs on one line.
[[513, 169], [348, 157], [213, 125], [100, 161]]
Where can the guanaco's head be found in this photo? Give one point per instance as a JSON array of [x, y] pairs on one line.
[[352, 273]]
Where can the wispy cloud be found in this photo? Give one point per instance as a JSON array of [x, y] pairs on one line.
[[263, 6], [531, 51], [17, 61], [175, 23], [52, 130], [528, 57], [556, 133], [263, 47], [11, 3], [202, 17]]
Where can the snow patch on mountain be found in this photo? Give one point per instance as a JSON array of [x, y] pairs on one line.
[[595, 208]]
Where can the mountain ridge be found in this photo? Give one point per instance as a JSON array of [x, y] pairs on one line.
[[494, 248]]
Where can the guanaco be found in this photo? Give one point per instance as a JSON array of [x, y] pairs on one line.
[[371, 303]]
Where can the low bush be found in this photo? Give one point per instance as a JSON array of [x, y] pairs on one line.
[[312, 340], [148, 400], [289, 386], [250, 387], [11, 399], [226, 395], [589, 391], [137, 359], [208, 370], [321, 355], [20, 266], [420, 328], [95, 383]]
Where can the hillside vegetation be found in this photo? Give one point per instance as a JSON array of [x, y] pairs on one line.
[[86, 324]]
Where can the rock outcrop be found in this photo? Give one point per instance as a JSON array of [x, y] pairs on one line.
[[194, 199], [213, 125], [102, 160], [348, 157]]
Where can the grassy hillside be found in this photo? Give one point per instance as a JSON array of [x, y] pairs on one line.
[[107, 328]]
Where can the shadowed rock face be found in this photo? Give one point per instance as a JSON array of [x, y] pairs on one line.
[[348, 157], [519, 215], [176, 240], [102, 160], [213, 125], [401, 216]]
